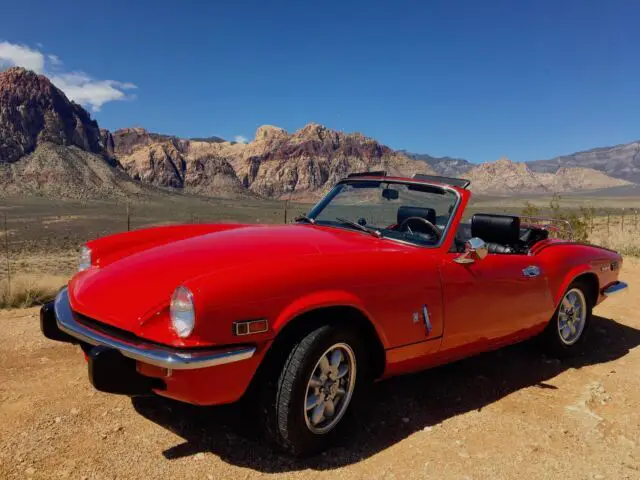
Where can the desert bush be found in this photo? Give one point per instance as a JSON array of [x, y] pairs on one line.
[[579, 222], [28, 291], [530, 210], [608, 230]]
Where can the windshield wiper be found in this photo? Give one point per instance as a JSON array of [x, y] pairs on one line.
[[375, 233], [305, 218]]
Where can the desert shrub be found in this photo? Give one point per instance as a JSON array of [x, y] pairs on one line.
[[578, 221], [530, 210], [579, 225], [28, 291]]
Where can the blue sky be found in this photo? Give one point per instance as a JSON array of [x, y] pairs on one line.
[[472, 79]]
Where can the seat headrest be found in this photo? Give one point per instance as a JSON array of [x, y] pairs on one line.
[[406, 211], [503, 229]]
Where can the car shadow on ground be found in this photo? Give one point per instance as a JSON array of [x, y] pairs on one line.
[[395, 408]]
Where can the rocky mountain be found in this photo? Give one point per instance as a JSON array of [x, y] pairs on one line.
[[275, 164], [34, 112], [621, 161], [51, 146], [505, 177], [447, 166]]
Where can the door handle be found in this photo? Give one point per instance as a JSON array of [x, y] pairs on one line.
[[531, 271]]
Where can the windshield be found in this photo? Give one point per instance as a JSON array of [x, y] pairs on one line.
[[413, 213]]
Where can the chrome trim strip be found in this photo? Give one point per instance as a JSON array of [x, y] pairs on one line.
[[616, 287], [164, 357], [427, 320]]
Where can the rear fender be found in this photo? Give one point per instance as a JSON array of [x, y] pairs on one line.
[[574, 273]]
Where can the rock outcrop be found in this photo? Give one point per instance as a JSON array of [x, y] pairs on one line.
[[274, 165], [33, 112]]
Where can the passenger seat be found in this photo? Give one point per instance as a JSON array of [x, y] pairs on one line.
[[501, 233]]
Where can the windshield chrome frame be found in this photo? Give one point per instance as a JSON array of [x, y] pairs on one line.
[[446, 188]]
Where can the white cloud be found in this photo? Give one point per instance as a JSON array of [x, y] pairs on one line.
[[78, 86], [21, 55], [241, 139], [54, 59]]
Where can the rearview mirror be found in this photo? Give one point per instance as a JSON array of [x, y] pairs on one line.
[[390, 194], [474, 249]]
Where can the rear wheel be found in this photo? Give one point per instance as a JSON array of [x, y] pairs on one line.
[[315, 387], [566, 332]]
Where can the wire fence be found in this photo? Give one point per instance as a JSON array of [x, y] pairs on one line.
[[43, 240]]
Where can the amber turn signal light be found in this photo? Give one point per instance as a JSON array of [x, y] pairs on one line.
[[250, 327]]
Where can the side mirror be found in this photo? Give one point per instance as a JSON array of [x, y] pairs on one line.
[[474, 249]]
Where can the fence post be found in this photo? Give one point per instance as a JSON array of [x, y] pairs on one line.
[[608, 220], [6, 247], [622, 221], [128, 219]]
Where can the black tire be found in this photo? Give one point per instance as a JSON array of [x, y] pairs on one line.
[[283, 402], [551, 339]]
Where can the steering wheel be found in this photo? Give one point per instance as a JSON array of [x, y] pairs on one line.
[[404, 226]]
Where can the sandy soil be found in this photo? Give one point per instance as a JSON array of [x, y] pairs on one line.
[[506, 414]]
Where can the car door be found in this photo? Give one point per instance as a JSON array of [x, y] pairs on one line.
[[492, 302]]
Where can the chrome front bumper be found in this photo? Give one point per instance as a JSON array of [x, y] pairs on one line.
[[616, 287], [165, 357]]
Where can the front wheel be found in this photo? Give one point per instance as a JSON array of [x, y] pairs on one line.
[[566, 332], [315, 387]]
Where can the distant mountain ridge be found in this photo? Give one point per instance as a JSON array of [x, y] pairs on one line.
[[505, 177], [620, 161], [51, 146], [447, 166]]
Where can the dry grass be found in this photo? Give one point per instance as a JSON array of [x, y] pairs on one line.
[[45, 236], [622, 238], [29, 290]]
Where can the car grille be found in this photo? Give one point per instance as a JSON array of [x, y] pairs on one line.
[[114, 332]]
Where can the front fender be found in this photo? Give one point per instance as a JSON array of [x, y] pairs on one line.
[[324, 299]]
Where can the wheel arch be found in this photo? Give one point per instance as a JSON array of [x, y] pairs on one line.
[[307, 321], [589, 277]]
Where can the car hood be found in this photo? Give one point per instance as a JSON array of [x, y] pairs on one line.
[[130, 291]]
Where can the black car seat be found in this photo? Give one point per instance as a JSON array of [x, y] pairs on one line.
[[501, 233]]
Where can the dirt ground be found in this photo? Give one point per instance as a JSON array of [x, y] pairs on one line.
[[506, 414]]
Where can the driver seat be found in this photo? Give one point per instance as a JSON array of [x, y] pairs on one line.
[[501, 233], [407, 211]]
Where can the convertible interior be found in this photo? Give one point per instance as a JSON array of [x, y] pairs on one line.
[[502, 234]]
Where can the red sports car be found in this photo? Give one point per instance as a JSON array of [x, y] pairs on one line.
[[381, 278]]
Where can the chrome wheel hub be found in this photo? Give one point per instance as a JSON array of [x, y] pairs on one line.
[[572, 316], [330, 388]]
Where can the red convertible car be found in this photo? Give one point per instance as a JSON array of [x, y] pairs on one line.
[[381, 278]]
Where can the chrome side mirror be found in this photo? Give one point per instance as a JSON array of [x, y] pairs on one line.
[[474, 249]]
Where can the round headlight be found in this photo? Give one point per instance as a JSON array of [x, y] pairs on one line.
[[182, 312], [85, 259]]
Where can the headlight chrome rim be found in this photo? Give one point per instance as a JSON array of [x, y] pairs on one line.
[[182, 312], [84, 262]]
